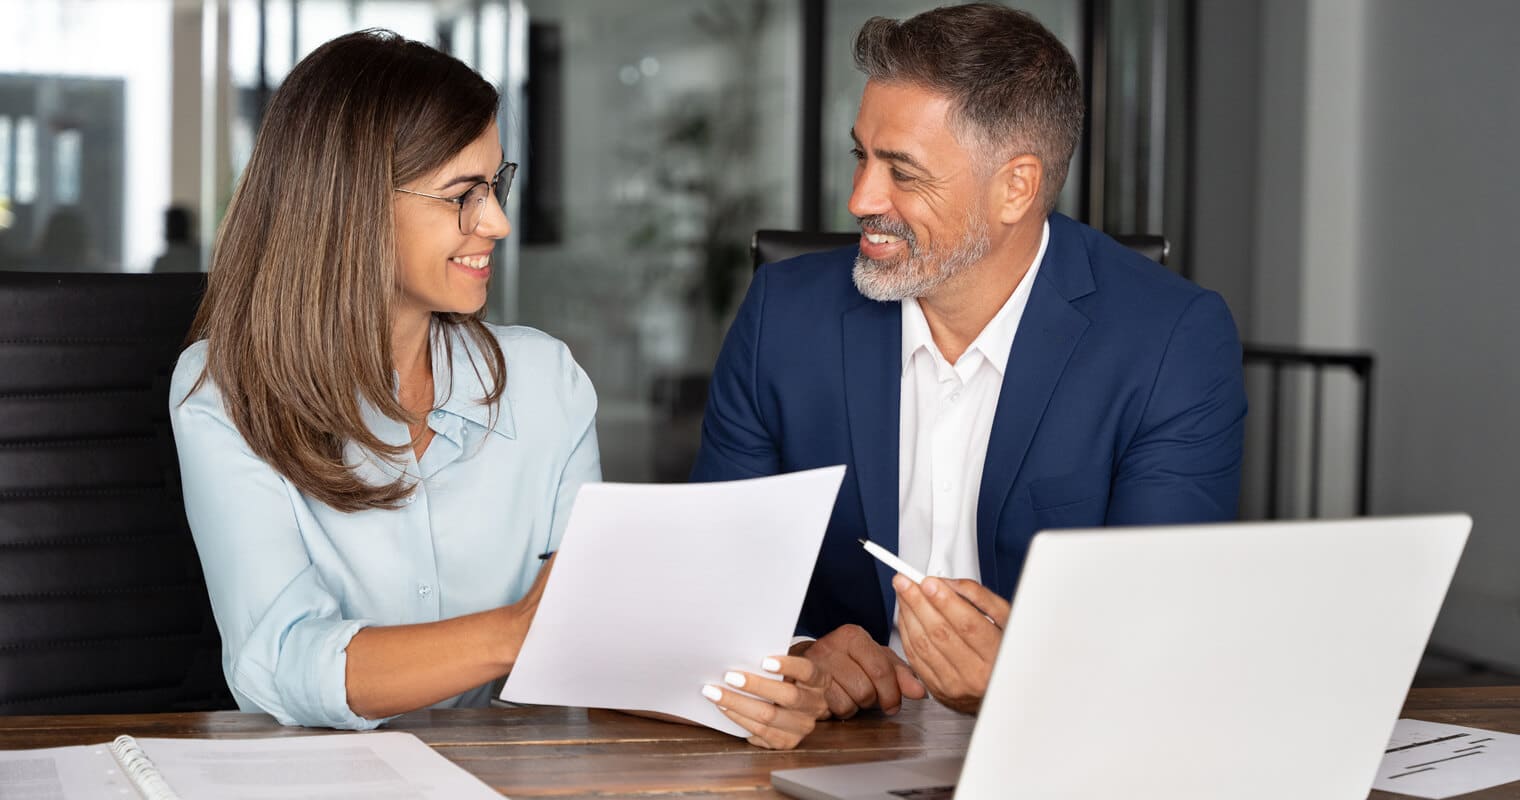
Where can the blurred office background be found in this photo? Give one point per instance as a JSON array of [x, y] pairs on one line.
[[1343, 171]]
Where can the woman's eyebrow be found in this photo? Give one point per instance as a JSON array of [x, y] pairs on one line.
[[470, 179], [462, 179]]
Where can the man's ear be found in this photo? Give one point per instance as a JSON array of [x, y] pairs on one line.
[[1016, 188]]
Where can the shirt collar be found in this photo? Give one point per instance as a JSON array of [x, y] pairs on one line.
[[995, 341], [458, 390], [915, 332]]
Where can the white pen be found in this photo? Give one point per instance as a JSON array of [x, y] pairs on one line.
[[885, 556]]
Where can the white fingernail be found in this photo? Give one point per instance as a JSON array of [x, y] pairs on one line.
[[734, 679], [712, 693], [771, 665]]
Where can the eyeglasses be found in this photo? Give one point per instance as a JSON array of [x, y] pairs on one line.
[[472, 204]]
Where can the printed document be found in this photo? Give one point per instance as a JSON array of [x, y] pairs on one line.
[[379, 765], [1434, 760], [659, 589]]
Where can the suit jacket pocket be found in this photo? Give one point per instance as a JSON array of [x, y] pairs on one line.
[[1072, 500]]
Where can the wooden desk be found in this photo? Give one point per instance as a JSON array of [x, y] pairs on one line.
[[558, 752]]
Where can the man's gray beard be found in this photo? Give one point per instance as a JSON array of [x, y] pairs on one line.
[[918, 274]]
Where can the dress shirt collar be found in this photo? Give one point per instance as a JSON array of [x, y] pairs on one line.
[[458, 391], [996, 339], [451, 418]]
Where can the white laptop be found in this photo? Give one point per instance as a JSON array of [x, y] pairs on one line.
[[1240, 661]]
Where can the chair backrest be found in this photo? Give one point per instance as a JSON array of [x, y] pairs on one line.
[[1282, 406], [770, 246], [1150, 245], [103, 607]]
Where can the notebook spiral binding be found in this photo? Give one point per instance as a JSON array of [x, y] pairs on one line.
[[140, 770]]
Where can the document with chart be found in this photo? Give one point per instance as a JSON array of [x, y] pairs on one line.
[[1434, 760], [659, 589]]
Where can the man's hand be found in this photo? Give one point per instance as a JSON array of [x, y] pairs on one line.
[[863, 673], [951, 630]]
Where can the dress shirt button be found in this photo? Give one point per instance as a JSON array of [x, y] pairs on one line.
[[411, 498], [438, 414], [954, 396], [424, 591]]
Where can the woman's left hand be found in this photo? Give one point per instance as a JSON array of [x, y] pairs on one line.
[[781, 713]]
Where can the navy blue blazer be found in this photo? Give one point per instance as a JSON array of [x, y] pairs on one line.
[[1123, 404]]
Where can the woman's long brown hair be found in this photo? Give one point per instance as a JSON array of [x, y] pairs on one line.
[[298, 303]]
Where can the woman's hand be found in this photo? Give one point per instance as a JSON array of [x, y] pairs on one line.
[[781, 713]]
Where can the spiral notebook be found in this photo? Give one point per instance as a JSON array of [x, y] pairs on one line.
[[390, 765]]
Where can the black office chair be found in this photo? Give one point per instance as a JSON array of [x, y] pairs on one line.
[[103, 606], [770, 246]]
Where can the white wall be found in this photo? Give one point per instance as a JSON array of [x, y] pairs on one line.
[[1383, 208], [1441, 178]]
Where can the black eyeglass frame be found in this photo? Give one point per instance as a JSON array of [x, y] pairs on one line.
[[503, 177]]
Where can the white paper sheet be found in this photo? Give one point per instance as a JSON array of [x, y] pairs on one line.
[[382, 765], [1435, 760], [660, 589], [63, 773], [386, 765]]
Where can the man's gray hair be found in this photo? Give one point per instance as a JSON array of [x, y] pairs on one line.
[[1013, 86]]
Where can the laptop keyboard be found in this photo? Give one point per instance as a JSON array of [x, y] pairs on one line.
[[926, 793]]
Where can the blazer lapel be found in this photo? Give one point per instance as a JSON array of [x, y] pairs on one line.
[[1046, 337], [872, 335]]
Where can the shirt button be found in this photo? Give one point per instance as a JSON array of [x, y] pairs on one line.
[[438, 414], [954, 396], [411, 498], [424, 591]]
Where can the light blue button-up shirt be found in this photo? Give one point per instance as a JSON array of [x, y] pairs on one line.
[[292, 580]]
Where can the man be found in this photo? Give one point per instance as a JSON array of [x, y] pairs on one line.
[[986, 368]]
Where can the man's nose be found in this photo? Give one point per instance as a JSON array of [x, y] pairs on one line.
[[870, 195]]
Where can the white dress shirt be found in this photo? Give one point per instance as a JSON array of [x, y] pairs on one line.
[[944, 423]]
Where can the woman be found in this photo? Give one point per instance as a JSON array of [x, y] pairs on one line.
[[373, 475]]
